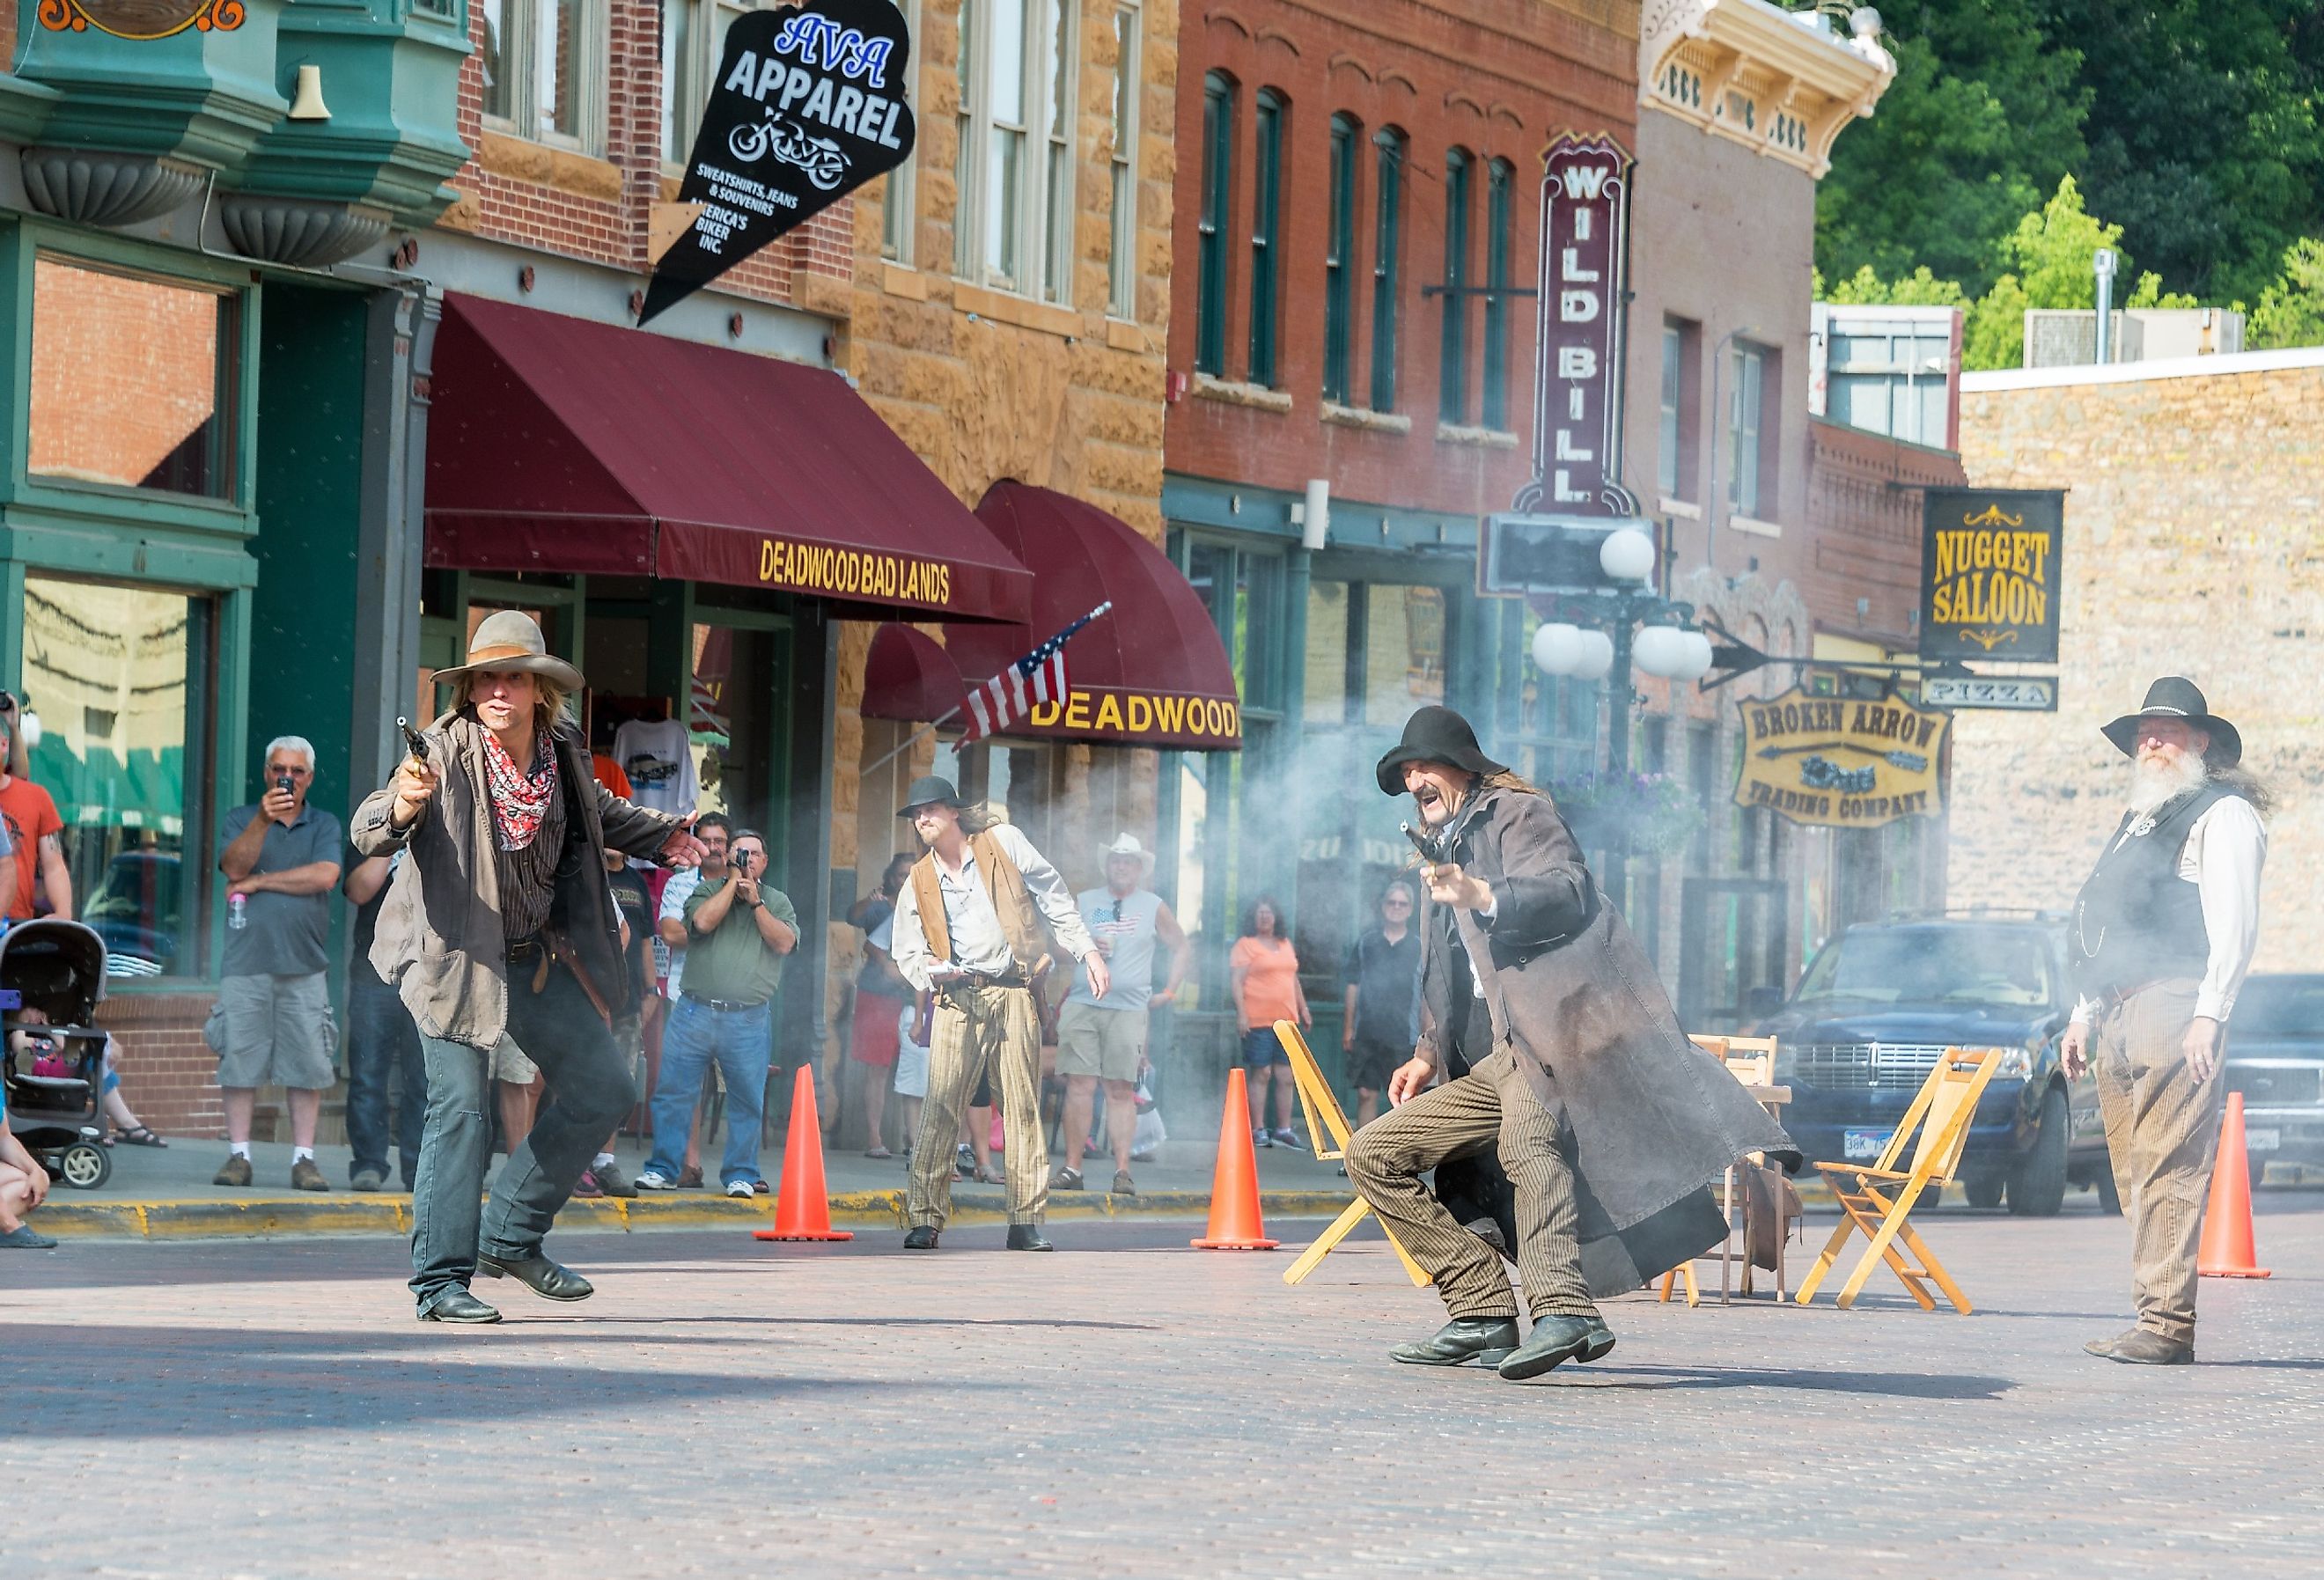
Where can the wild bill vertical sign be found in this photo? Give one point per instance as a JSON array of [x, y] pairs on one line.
[[807, 105], [1577, 403]]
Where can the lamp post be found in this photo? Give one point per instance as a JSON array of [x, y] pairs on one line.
[[1632, 626]]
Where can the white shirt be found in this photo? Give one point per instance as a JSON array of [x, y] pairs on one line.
[[682, 884], [2224, 854], [978, 944]]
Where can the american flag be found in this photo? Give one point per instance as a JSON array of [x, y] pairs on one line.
[[1038, 677]]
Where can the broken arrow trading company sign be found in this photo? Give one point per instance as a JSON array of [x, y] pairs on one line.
[[1577, 401], [807, 105], [1842, 762]]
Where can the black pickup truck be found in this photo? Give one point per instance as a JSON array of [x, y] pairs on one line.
[[2275, 1059], [1881, 1003]]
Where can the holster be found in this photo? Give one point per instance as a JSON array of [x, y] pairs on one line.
[[557, 949]]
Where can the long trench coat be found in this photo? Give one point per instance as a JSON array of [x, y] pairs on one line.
[[1654, 1121]]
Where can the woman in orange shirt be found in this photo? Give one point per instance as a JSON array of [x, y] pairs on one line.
[[1264, 972]]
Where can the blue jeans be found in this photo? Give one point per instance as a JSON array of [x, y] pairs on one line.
[[742, 1042], [590, 1091], [383, 1056]]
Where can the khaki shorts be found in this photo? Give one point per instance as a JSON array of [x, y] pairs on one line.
[[276, 1032], [511, 1065], [1092, 1041]]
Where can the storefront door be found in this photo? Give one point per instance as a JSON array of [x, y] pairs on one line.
[[1730, 941]]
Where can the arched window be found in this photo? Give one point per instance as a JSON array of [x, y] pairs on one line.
[[1267, 110], [1340, 260], [1390, 146], [1211, 232], [1453, 354], [1500, 200]]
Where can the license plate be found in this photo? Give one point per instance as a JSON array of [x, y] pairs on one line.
[[2263, 1141], [1866, 1143]]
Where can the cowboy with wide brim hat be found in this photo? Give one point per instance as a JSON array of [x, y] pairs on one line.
[[1435, 735], [931, 790], [510, 640], [1127, 845], [2176, 697]]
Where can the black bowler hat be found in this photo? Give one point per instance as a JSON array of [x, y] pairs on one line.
[[2176, 697], [930, 791], [1434, 734]]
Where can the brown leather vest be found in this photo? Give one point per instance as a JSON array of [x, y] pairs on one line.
[[1004, 885]]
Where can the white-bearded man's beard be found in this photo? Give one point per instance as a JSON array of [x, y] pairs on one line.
[[2157, 780]]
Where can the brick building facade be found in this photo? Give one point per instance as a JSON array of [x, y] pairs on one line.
[[2194, 545]]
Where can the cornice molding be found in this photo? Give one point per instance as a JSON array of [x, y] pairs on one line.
[[1750, 73]]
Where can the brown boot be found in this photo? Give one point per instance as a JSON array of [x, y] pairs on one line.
[[305, 1176], [236, 1172]]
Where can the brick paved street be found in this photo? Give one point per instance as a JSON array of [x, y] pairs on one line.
[[269, 1408]]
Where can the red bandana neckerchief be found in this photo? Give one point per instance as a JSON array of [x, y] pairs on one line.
[[518, 800]]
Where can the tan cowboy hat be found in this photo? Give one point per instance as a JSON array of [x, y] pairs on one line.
[[1127, 844], [511, 640]]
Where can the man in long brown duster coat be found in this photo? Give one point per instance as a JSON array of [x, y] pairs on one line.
[[1609, 1123]]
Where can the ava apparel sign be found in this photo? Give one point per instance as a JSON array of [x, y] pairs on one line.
[[1840, 762], [808, 106], [1989, 582]]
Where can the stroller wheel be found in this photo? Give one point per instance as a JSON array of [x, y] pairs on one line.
[[86, 1166]]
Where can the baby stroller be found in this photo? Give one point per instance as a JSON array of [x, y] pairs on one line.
[[56, 967]]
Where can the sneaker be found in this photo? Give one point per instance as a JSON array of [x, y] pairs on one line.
[[236, 1170], [1285, 1138], [964, 1158], [1123, 1184], [1261, 1138], [585, 1188], [609, 1179], [650, 1180], [368, 1179], [1065, 1178], [305, 1176], [740, 1188]]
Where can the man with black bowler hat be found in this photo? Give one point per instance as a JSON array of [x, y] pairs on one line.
[[1609, 1123], [2163, 933], [968, 931], [498, 921]]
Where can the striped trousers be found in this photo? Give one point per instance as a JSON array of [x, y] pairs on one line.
[[977, 1028], [1491, 1105]]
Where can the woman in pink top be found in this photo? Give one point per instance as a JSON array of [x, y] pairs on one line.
[[1264, 972]]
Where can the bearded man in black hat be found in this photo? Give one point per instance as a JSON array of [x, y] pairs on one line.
[[2164, 932], [1609, 1123]]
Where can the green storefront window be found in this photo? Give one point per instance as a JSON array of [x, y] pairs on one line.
[[118, 677], [132, 381], [1211, 279], [1500, 186], [1452, 359], [1265, 225], [1387, 228], [1339, 260]]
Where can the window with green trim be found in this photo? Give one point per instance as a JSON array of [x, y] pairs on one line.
[[1452, 357], [1266, 215], [1211, 232], [1387, 223], [1500, 202], [1340, 261]]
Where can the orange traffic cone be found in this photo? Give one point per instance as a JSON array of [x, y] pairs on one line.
[[2227, 1250], [802, 1207], [1235, 1223]]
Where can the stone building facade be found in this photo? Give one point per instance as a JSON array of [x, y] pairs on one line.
[[2194, 545]]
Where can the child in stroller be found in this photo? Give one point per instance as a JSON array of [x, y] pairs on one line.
[[52, 1063]]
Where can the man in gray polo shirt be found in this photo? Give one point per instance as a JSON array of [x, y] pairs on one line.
[[273, 1023]]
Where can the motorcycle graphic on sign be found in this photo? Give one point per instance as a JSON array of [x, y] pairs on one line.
[[793, 145]]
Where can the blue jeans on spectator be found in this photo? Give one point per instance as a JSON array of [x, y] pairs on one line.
[[590, 1091], [383, 1056], [742, 1042]]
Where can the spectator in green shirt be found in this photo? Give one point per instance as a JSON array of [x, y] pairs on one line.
[[737, 931]]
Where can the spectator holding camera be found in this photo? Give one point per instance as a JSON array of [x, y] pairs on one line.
[[737, 932], [282, 862], [35, 834]]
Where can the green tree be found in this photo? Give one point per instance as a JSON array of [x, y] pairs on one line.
[[1985, 115], [1921, 288], [2291, 311]]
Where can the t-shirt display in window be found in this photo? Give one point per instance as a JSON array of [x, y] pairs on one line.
[[659, 758]]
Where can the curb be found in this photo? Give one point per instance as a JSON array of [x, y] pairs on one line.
[[209, 1219]]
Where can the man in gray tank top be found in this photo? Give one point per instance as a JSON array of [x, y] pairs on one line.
[[1104, 1038]]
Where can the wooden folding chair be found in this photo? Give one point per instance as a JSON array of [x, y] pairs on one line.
[[1878, 1199], [1752, 1062], [1327, 1131]]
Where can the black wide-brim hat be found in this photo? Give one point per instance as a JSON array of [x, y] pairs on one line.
[[930, 791], [1434, 734], [2176, 697]]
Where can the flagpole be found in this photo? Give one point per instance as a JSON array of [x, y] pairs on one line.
[[953, 712]]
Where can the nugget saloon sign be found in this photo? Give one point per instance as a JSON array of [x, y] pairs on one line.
[[1839, 763], [1989, 581], [808, 106]]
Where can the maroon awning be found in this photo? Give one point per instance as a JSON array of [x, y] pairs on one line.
[[1152, 673], [908, 675], [558, 444]]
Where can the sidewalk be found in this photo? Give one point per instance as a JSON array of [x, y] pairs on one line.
[[166, 1193]]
